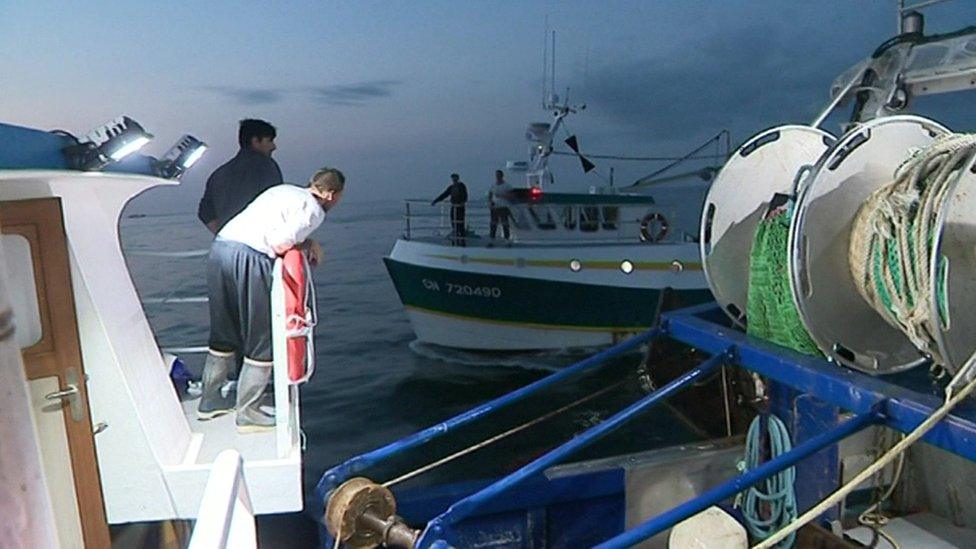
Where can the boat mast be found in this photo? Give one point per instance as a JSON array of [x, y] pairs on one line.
[[541, 135]]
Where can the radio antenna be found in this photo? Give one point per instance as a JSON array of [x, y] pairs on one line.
[[545, 65], [552, 73]]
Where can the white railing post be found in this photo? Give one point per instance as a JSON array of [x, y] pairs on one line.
[[226, 517], [279, 341]]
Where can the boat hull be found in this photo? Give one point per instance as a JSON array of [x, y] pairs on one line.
[[493, 300]]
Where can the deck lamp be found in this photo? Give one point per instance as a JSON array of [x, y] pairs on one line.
[[108, 143], [183, 154]]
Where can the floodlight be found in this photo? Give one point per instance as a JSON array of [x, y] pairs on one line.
[[183, 154], [108, 143]]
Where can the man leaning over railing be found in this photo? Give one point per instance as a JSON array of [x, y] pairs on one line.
[[239, 274]]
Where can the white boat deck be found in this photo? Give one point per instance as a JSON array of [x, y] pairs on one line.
[[220, 433]]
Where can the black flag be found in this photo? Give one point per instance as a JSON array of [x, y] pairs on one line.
[[587, 165]]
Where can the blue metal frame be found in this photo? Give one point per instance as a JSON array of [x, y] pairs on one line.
[[339, 474], [575, 510], [904, 409], [809, 390], [440, 526], [724, 491]]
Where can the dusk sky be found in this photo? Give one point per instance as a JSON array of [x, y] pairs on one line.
[[400, 94]]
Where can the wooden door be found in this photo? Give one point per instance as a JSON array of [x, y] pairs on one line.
[[36, 252]]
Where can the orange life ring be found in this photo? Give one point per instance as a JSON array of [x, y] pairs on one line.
[[299, 317], [645, 227]]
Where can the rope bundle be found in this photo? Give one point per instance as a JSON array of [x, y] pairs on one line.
[[892, 241], [771, 504]]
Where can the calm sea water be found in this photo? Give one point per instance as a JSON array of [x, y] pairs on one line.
[[374, 383]]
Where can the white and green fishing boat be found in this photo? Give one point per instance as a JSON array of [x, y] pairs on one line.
[[580, 269]]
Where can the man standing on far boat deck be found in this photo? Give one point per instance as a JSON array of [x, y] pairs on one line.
[[234, 185], [498, 202], [458, 192], [239, 273]]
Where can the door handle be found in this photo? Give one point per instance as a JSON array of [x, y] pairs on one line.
[[71, 393], [66, 393]]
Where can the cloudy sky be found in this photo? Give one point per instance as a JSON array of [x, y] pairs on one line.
[[400, 94]]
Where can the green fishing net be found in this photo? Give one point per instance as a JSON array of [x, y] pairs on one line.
[[770, 310]]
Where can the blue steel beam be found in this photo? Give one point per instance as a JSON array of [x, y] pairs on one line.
[[737, 484], [853, 391], [467, 506], [344, 471]]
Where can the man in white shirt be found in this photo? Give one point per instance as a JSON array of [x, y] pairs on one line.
[[239, 273], [498, 202]]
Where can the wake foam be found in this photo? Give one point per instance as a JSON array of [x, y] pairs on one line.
[[547, 361]]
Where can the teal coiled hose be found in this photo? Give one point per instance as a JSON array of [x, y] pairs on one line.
[[773, 498]]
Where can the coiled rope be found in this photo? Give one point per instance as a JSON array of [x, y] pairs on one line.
[[890, 255], [893, 237], [963, 379], [775, 497], [873, 517]]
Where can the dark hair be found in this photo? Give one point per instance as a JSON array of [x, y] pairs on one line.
[[499, 172], [251, 128], [328, 179], [455, 176]]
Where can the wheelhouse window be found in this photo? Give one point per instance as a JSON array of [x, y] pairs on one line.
[[568, 217], [589, 219], [611, 214], [23, 290], [542, 217]]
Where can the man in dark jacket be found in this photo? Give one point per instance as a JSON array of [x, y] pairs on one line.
[[459, 196], [234, 185]]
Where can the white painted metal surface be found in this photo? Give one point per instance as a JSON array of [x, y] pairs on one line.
[[862, 161], [656, 266], [226, 517], [766, 164], [52, 439], [25, 503], [154, 456], [485, 335], [287, 425]]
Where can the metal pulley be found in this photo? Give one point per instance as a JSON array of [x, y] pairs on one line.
[[845, 327], [765, 165], [362, 513]]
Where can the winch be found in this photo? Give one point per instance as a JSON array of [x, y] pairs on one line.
[[362, 513]]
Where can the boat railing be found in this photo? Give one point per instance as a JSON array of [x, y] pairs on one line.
[[174, 295], [287, 431], [544, 223], [226, 516]]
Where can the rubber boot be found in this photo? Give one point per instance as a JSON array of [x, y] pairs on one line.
[[215, 371], [250, 389]]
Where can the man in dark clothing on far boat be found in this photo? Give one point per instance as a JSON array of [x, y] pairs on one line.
[[459, 196], [234, 185]]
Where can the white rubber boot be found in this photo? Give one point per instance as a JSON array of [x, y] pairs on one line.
[[215, 371], [250, 388]]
